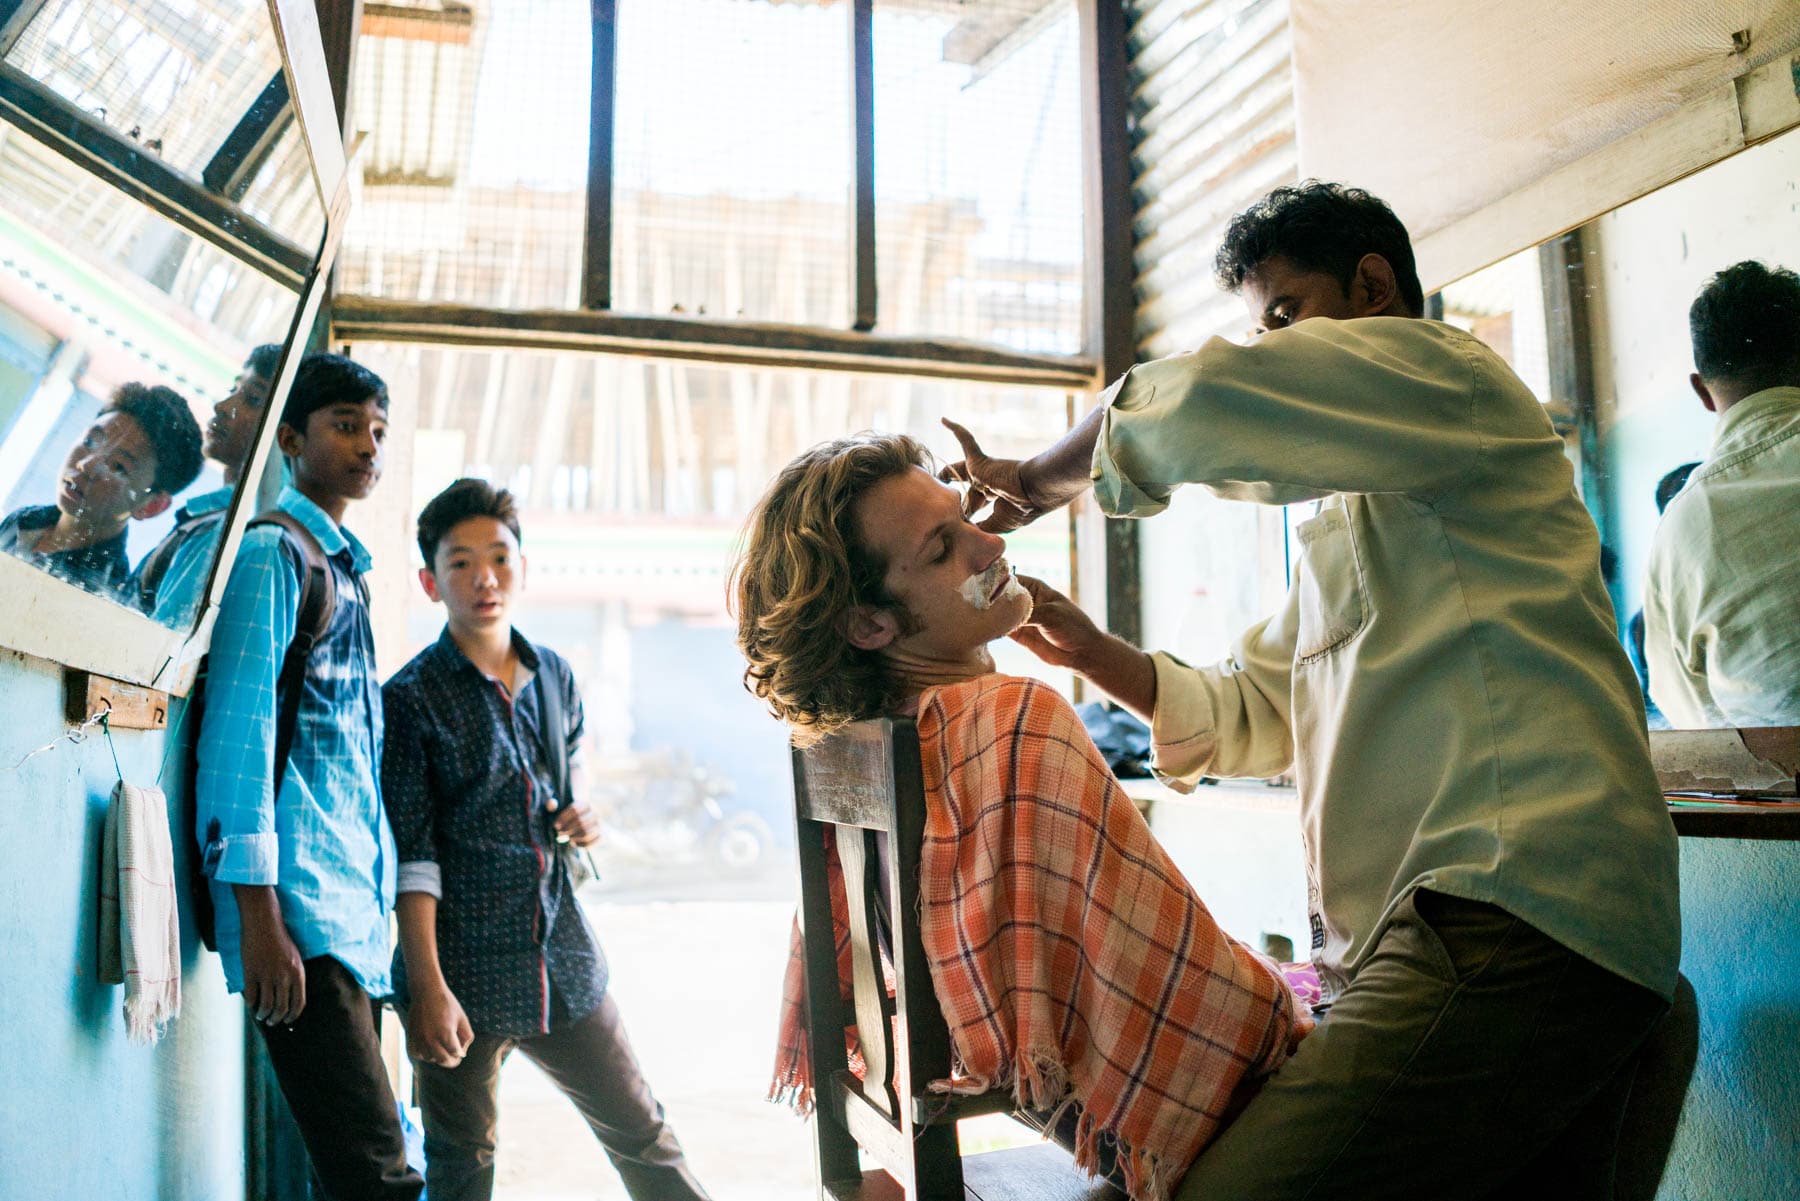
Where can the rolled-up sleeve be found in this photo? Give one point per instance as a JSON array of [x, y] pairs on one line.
[[234, 784], [406, 791], [1383, 404], [1232, 720]]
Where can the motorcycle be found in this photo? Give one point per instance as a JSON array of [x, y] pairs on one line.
[[660, 806]]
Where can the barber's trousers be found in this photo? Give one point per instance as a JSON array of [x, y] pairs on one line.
[[591, 1061], [1472, 1057]]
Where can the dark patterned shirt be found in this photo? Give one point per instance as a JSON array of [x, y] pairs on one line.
[[467, 781], [101, 567]]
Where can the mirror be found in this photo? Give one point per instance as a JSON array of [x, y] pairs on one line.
[[158, 216], [1701, 562]]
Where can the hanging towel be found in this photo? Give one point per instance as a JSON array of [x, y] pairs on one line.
[[140, 934]]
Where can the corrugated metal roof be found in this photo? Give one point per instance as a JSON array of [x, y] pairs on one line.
[[1214, 120]]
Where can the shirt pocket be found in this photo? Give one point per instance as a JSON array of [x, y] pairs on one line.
[[1333, 607]]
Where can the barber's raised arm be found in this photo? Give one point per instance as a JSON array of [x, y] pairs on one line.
[[1384, 404], [1023, 490]]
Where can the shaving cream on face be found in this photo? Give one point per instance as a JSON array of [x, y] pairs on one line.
[[977, 588]]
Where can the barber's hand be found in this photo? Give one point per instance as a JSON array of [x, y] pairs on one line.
[[1058, 632], [274, 978], [577, 822], [998, 482], [437, 1029]]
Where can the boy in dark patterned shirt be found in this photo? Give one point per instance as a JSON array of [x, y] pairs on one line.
[[495, 953]]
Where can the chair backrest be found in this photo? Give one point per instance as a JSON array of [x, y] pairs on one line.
[[854, 788]]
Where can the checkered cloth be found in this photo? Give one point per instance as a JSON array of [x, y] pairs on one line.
[[1072, 961]]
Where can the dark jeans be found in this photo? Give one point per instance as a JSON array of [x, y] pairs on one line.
[[1472, 1056], [329, 1066], [591, 1061]]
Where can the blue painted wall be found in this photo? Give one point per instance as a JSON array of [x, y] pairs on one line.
[[85, 1114], [1740, 1131]]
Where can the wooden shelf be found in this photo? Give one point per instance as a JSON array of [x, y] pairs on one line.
[[1722, 822]]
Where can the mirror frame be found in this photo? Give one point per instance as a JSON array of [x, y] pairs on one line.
[[52, 619]]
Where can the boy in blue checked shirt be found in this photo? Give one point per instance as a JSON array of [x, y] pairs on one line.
[[303, 870], [495, 953]]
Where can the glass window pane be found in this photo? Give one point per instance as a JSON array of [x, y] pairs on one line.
[[175, 78], [471, 185], [733, 162], [978, 172]]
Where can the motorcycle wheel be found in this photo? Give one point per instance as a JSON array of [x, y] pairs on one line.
[[739, 843]]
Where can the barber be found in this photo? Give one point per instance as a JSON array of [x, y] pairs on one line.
[[1491, 868]]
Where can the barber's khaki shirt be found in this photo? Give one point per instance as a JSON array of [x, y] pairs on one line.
[[1722, 604], [1445, 677]]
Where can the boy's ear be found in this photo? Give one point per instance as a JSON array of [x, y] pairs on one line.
[[289, 440], [157, 503], [869, 628], [428, 581]]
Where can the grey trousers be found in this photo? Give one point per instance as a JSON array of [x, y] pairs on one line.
[[1472, 1057], [591, 1061]]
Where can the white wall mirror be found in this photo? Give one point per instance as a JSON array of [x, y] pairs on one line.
[[1597, 324], [164, 224]]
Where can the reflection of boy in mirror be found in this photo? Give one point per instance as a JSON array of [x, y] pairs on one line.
[[142, 449], [167, 582], [303, 866], [1722, 602]]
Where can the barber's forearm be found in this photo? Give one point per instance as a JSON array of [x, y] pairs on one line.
[[1123, 672], [1064, 470]]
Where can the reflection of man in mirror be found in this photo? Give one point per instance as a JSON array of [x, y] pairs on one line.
[[168, 581], [142, 449], [1722, 604], [1667, 488]]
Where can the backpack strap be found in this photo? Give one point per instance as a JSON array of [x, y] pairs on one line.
[[555, 732], [156, 564], [318, 605]]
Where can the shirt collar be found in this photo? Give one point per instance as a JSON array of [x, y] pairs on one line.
[[333, 538], [206, 502], [451, 655], [1754, 418]]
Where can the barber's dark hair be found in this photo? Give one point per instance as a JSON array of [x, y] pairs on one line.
[[466, 498], [1319, 226], [1745, 326], [324, 380], [262, 361], [169, 424]]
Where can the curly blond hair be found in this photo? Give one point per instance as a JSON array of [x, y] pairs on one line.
[[799, 569]]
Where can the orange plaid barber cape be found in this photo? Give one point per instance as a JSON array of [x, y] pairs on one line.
[[1072, 960]]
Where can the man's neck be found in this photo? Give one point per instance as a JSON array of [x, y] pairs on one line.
[[333, 504], [71, 533], [489, 648], [920, 673]]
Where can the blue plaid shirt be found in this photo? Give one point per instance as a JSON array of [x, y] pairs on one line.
[[468, 780], [323, 841], [198, 526]]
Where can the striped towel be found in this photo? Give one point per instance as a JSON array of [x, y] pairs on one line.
[[1072, 960], [140, 932]]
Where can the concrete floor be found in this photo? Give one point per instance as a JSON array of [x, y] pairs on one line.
[[699, 983]]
